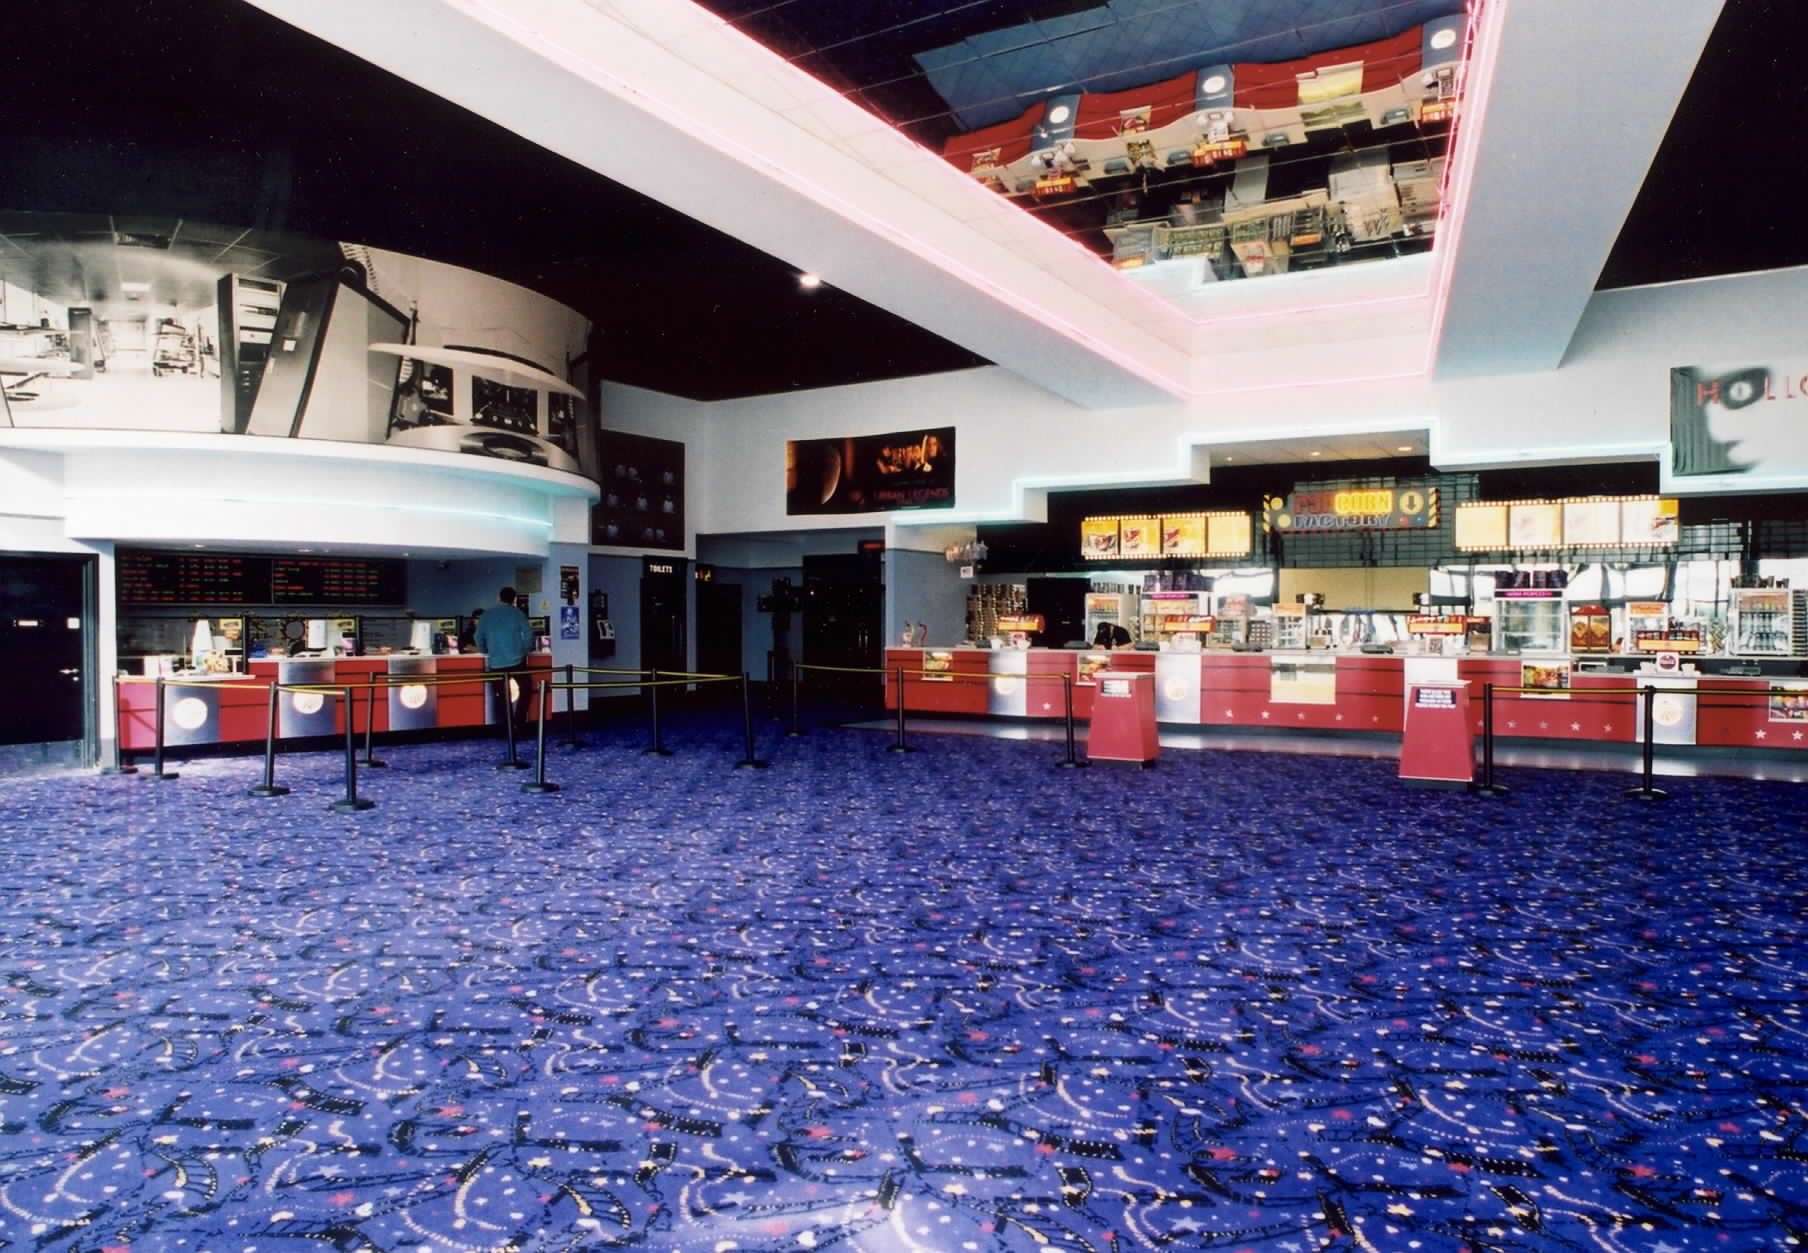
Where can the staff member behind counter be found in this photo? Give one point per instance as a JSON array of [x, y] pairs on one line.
[[1110, 635], [504, 636]]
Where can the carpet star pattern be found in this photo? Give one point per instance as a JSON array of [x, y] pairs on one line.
[[955, 1000]]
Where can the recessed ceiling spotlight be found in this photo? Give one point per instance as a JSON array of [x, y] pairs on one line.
[[1404, 448], [1230, 458], [1315, 453], [1444, 38], [1213, 85], [809, 282], [1059, 114], [304, 550], [200, 546]]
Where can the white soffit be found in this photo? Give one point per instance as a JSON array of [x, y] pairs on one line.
[[1563, 136]]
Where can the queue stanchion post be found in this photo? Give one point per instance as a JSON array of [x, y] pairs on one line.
[[1646, 790], [898, 745], [270, 787], [749, 761], [1072, 760], [513, 762], [1488, 786], [657, 748], [370, 729], [539, 783], [571, 707], [157, 770], [797, 680], [120, 764], [351, 802]]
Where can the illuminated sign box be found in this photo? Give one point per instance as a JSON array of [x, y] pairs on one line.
[[1585, 522], [1170, 535], [1404, 507]]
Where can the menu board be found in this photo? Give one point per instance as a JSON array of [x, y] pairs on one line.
[[1183, 536], [1229, 534], [1591, 523], [1174, 535], [154, 578], [1139, 537], [1650, 520], [1098, 538], [1481, 527], [1534, 524], [169, 578], [335, 581]]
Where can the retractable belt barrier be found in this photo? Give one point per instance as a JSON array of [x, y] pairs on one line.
[[1646, 695], [1071, 761]]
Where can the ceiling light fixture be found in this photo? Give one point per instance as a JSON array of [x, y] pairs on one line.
[[1213, 85], [1059, 114], [1444, 38], [1404, 448], [809, 282], [1315, 453]]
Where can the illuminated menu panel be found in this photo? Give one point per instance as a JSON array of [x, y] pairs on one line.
[[171, 578], [153, 578], [334, 581]]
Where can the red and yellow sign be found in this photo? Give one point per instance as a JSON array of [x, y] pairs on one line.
[[1409, 506]]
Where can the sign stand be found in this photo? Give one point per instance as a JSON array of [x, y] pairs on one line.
[[1123, 719], [1439, 746]]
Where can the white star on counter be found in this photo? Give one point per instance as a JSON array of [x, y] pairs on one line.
[[1544, 726], [1265, 714], [1375, 718], [1607, 729], [1301, 717], [1339, 718], [1511, 725], [1764, 735], [1796, 735], [1228, 714], [1575, 726]]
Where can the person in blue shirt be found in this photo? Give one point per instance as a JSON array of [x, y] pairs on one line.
[[504, 637]]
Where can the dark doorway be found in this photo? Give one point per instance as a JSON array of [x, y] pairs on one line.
[[844, 622], [719, 630], [46, 644], [662, 613]]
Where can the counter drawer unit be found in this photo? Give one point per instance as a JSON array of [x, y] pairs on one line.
[[937, 680]]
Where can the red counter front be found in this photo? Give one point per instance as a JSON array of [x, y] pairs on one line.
[[237, 709], [938, 680], [1581, 713], [1737, 713]]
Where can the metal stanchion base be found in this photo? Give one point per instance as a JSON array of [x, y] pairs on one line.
[[1490, 789], [539, 787], [347, 806], [165, 776], [795, 735], [655, 752], [373, 764], [1072, 765], [514, 765], [1647, 794], [118, 770], [899, 748], [752, 763], [274, 789]]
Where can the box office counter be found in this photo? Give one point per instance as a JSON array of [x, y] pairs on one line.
[[234, 708]]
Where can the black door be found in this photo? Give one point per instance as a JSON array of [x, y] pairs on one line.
[[44, 648], [719, 629], [662, 613], [844, 616]]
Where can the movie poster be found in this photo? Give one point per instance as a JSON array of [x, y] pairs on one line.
[[870, 473], [1741, 421]]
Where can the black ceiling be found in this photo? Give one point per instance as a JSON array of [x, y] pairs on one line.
[[1721, 195], [212, 110]]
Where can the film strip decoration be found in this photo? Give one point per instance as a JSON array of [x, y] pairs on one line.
[[1154, 536], [1581, 522]]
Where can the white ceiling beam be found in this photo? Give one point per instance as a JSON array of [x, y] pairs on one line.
[[1558, 145]]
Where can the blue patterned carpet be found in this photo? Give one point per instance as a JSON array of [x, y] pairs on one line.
[[953, 1001]]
